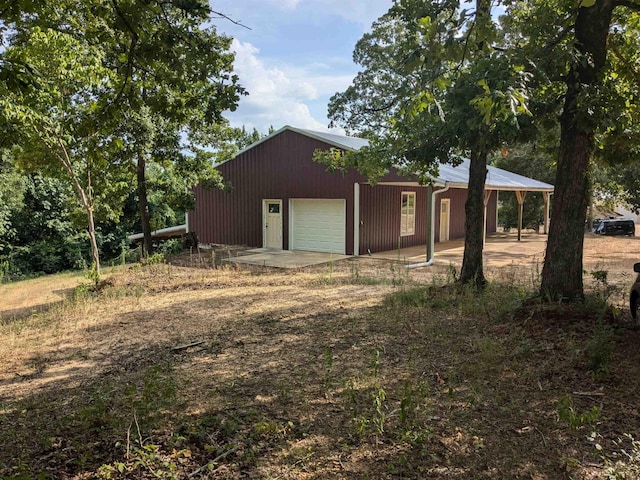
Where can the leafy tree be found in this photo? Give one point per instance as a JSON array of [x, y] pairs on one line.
[[174, 79], [434, 85], [243, 138], [44, 238], [584, 64], [621, 184], [169, 80], [12, 186], [53, 123]]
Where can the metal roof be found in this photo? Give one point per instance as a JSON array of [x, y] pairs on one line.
[[161, 233], [341, 141], [497, 178]]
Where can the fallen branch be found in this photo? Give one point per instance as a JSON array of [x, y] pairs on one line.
[[212, 462], [184, 347], [589, 394]]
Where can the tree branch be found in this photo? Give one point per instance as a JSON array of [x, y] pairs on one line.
[[629, 4], [561, 36], [226, 17], [132, 46], [8, 7]]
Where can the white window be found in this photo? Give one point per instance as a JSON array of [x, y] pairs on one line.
[[408, 214]]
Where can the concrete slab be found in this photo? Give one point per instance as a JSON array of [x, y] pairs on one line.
[[500, 249], [285, 258]]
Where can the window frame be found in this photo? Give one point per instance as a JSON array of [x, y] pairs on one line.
[[407, 214]]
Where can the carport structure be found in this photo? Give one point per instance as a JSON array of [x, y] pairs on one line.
[[498, 180], [502, 181]]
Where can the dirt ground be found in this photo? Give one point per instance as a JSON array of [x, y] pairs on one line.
[[336, 371], [502, 251]]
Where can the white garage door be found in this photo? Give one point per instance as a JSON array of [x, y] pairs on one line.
[[318, 225]]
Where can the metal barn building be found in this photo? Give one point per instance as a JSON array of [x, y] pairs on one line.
[[280, 198]]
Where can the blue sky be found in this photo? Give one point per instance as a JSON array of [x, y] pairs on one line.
[[297, 54]]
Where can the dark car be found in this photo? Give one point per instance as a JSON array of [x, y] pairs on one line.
[[614, 226], [634, 295]]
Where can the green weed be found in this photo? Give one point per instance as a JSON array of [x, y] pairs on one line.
[[413, 297], [356, 278], [575, 419], [600, 351], [4, 271]]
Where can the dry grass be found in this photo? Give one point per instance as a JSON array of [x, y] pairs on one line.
[[355, 370]]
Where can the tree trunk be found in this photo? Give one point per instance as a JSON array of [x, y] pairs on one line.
[[85, 197], [472, 271], [562, 271], [95, 253], [143, 205]]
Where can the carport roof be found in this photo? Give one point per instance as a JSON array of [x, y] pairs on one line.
[[497, 178]]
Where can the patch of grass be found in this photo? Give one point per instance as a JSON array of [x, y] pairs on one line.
[[413, 297], [600, 351], [95, 415], [567, 412], [496, 301], [358, 278]]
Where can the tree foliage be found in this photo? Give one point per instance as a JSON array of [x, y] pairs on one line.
[[143, 83], [12, 186], [44, 238], [433, 87], [53, 123]]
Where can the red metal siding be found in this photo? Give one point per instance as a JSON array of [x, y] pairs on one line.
[[458, 198], [279, 168], [380, 208], [456, 213]]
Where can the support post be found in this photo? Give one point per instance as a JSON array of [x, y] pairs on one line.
[[520, 195], [428, 225], [547, 200], [487, 196], [356, 219]]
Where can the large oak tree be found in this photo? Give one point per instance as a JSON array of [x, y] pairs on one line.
[[583, 57]]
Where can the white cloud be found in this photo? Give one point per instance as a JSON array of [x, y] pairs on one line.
[[285, 4], [281, 95], [294, 56]]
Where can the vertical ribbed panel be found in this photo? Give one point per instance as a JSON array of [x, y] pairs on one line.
[[458, 197], [380, 208], [281, 168]]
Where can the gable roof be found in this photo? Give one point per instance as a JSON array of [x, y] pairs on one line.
[[497, 178], [340, 141]]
